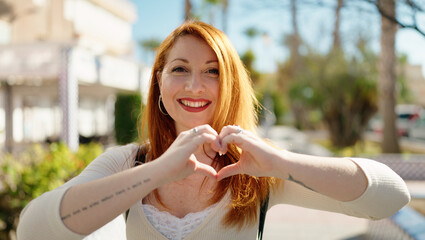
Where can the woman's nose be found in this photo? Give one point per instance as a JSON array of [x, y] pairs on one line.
[[194, 84]]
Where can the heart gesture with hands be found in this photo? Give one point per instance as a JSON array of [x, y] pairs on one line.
[[257, 157], [181, 151]]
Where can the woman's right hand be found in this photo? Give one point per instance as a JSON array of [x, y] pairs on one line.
[[179, 159]]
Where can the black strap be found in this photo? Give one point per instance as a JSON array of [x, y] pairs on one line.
[[263, 212], [139, 160], [126, 214]]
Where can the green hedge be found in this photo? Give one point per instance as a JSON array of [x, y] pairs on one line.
[[127, 111], [35, 171]]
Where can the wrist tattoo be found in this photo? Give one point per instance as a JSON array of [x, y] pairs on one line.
[[104, 199], [292, 179]]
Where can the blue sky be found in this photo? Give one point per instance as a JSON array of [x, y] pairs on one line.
[[156, 19]]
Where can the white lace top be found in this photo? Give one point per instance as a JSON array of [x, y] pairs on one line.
[[172, 227]]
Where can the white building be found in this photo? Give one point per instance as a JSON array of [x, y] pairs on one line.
[[61, 64]]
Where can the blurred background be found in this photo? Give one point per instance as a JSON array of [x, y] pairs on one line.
[[334, 77]]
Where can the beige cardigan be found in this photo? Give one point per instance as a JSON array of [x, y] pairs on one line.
[[385, 195]]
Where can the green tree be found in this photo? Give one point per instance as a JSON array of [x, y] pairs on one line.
[[404, 93], [394, 14], [248, 58], [343, 89], [214, 6], [127, 112], [150, 46], [251, 33], [34, 171]]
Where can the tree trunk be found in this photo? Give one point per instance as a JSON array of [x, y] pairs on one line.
[[225, 7], [187, 10], [295, 40], [336, 35], [298, 111], [387, 78]]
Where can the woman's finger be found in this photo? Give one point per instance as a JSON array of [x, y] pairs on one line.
[[229, 170], [205, 133], [214, 140], [230, 134], [234, 138], [229, 129], [206, 170], [202, 129]]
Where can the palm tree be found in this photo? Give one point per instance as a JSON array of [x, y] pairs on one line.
[[213, 5], [336, 35], [251, 33], [187, 10], [224, 9], [150, 46], [387, 77]]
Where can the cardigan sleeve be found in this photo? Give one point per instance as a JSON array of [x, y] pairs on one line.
[[385, 194], [40, 219]]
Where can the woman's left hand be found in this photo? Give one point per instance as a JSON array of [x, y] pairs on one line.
[[257, 158]]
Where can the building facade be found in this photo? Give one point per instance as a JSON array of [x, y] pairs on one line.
[[61, 64]]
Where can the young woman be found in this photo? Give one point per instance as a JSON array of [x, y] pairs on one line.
[[205, 173]]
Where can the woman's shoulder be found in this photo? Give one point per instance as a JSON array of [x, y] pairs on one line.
[[116, 158], [122, 149]]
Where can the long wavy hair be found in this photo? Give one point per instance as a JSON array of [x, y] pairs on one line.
[[236, 104]]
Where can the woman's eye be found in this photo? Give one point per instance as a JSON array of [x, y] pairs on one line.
[[178, 69], [213, 71]]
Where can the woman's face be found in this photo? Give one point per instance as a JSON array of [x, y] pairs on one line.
[[189, 83]]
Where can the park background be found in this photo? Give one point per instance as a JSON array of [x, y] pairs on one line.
[[74, 74]]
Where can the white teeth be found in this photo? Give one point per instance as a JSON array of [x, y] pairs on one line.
[[193, 104]]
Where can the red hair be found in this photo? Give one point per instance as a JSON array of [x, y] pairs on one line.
[[236, 104]]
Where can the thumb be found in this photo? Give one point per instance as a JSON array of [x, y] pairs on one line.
[[228, 171], [206, 170]]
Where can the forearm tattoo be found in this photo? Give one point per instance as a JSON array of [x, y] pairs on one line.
[[292, 179], [104, 199]]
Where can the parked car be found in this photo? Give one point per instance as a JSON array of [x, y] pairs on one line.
[[418, 129], [407, 115]]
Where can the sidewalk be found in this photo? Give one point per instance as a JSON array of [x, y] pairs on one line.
[[293, 140], [291, 222]]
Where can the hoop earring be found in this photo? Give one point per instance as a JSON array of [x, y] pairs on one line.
[[159, 105]]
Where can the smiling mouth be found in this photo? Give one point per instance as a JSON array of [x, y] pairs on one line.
[[194, 104]]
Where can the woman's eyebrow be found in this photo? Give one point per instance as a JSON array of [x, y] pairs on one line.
[[187, 61], [180, 59], [212, 61]]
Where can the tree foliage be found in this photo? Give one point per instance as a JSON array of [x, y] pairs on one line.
[[408, 13], [248, 58], [342, 88], [150, 44], [35, 171], [127, 111], [149, 47]]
